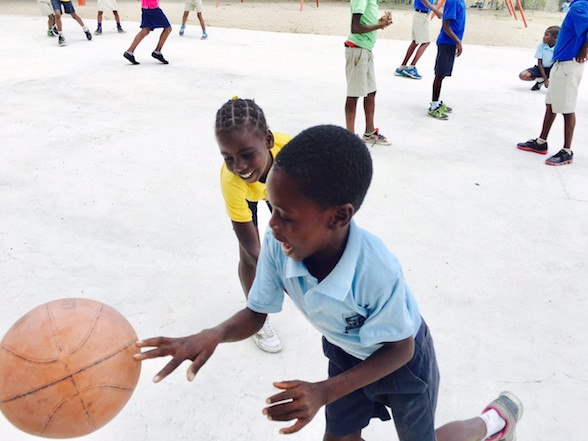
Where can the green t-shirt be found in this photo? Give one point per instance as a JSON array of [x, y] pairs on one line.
[[369, 16]]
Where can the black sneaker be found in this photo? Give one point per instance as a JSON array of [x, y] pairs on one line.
[[120, 30], [54, 30], [159, 56], [533, 146], [88, 33], [61, 40], [98, 31], [537, 86], [130, 57], [560, 158]]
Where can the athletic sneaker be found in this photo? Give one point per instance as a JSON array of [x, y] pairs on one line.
[[412, 72], [560, 158], [130, 57], [54, 30], [182, 29], [267, 340], [510, 409], [445, 107], [120, 30], [50, 33], [537, 86], [61, 40], [375, 138], [159, 56], [437, 113], [533, 146], [88, 33], [98, 31], [399, 72], [204, 36]]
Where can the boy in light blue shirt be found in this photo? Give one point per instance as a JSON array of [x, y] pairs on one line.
[[350, 287], [544, 56]]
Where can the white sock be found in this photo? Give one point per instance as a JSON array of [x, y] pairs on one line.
[[541, 141], [435, 104], [568, 151], [494, 422]]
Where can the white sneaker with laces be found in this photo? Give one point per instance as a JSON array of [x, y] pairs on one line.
[[267, 340]]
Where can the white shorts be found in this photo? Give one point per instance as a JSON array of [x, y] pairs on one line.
[[421, 27], [564, 79], [107, 5], [45, 7], [359, 72], [193, 5]]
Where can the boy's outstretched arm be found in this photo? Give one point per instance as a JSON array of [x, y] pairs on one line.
[[199, 347], [301, 400]]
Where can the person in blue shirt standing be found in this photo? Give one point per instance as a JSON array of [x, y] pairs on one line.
[[421, 38], [570, 53], [350, 287], [448, 47]]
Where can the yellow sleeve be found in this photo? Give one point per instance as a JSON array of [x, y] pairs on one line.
[[235, 193]]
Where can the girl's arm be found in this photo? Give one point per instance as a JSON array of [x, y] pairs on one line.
[[249, 246]]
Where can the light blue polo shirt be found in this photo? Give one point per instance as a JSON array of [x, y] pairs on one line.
[[545, 54], [361, 304]]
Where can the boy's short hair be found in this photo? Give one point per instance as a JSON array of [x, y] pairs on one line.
[[331, 166], [553, 31]]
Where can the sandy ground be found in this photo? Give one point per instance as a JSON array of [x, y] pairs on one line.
[[109, 190], [484, 26]]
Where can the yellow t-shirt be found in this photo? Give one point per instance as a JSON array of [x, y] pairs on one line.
[[237, 192]]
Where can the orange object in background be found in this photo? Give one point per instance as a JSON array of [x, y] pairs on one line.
[[82, 2]]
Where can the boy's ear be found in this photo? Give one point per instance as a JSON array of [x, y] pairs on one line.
[[341, 216], [269, 139]]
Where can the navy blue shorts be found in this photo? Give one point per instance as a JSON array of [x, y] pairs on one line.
[[536, 73], [67, 6], [410, 392], [445, 59], [253, 208], [153, 19]]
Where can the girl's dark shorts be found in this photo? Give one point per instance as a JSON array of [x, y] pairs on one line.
[[410, 392], [153, 19], [253, 208], [445, 60]]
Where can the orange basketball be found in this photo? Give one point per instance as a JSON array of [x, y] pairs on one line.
[[67, 368]]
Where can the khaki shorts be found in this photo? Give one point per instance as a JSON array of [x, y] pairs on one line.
[[421, 28], [193, 5], [564, 79], [359, 72], [107, 5], [45, 7]]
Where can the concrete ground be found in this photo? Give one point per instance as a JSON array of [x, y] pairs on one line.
[[109, 189]]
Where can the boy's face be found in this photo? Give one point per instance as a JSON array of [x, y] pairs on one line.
[[549, 38], [247, 154], [303, 228]]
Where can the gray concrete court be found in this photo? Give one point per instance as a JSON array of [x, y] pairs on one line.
[[109, 189]]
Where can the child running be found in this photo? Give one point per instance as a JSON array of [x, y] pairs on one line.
[[152, 17], [108, 5], [351, 288], [47, 10], [193, 5], [68, 9], [544, 56], [248, 147], [448, 47]]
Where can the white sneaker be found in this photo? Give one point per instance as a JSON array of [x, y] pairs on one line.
[[267, 340]]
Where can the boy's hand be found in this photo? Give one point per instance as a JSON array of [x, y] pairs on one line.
[[458, 49], [299, 400], [385, 20], [437, 12], [197, 348], [546, 83]]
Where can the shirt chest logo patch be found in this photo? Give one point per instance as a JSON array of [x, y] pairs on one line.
[[353, 321]]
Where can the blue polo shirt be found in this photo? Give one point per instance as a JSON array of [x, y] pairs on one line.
[[361, 304], [455, 11], [573, 32]]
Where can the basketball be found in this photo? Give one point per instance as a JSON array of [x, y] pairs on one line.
[[67, 368]]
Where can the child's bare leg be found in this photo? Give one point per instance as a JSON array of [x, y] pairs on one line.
[[99, 17], [409, 53], [164, 34], [369, 107], [50, 21], [138, 38], [569, 126], [202, 25], [547, 122], [77, 18], [185, 17], [437, 87], [116, 16], [526, 76], [469, 430], [420, 51], [58, 20], [350, 110]]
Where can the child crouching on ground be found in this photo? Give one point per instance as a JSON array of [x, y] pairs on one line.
[[544, 56], [350, 287]]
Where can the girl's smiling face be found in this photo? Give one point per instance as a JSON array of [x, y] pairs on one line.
[[247, 153]]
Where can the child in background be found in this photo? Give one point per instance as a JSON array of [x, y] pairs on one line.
[[544, 56], [350, 287], [152, 17], [109, 5], [47, 10], [249, 149], [68, 9], [193, 5]]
